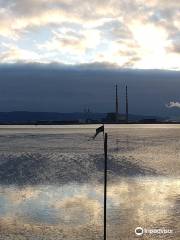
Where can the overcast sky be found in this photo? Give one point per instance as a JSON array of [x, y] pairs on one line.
[[141, 34], [39, 87], [66, 55]]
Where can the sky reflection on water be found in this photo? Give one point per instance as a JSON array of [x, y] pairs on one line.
[[147, 202]]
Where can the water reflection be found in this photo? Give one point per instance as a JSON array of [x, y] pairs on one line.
[[52, 182], [149, 202], [52, 209], [76, 209]]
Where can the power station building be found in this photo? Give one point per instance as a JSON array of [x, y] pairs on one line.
[[116, 116]]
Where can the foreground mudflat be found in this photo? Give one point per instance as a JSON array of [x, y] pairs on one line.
[[52, 182]]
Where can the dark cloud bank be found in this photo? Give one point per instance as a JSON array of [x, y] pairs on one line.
[[60, 88]]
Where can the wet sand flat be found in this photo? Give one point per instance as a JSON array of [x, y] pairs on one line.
[[51, 182]]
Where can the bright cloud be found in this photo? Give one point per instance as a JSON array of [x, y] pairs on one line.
[[135, 34], [12, 54], [68, 40]]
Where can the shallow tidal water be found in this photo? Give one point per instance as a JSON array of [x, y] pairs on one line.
[[51, 182]]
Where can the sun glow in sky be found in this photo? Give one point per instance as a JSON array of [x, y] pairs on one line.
[[128, 33]]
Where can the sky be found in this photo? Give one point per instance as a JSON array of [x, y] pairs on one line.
[[137, 34], [67, 55], [60, 88]]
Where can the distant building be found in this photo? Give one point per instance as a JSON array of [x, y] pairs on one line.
[[116, 117]]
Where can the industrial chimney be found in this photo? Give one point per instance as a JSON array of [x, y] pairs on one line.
[[127, 106], [117, 105]]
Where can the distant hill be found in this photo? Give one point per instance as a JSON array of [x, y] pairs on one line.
[[23, 116], [32, 117]]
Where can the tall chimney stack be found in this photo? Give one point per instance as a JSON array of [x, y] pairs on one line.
[[117, 105], [127, 106]]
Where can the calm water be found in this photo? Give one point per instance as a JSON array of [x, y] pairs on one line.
[[51, 182]]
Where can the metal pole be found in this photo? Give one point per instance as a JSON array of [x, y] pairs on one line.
[[105, 184]]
